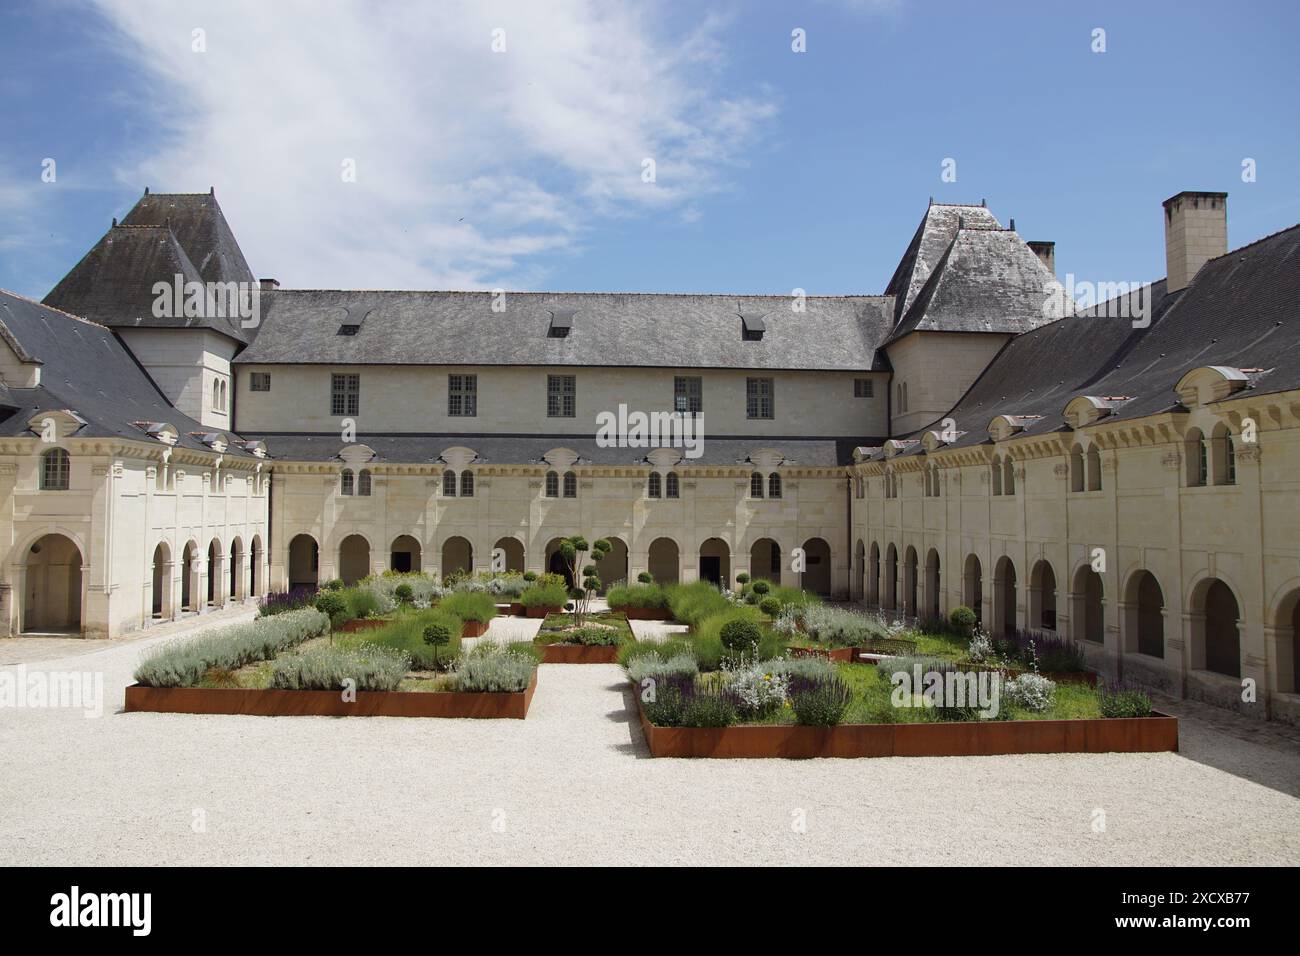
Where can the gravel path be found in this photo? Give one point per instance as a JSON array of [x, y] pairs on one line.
[[572, 784]]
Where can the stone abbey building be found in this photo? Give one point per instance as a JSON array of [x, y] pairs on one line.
[[1124, 475]]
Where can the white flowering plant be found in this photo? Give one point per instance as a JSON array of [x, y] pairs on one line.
[[1030, 691]]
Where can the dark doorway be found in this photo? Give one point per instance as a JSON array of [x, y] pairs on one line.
[[711, 569]]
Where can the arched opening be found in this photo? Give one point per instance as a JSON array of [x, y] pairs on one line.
[[1087, 613], [53, 586], [405, 555], [215, 553], [190, 577], [457, 556], [255, 567], [654, 487], [1077, 477], [552, 489], [1144, 618], [891, 578], [304, 562], [995, 474], [664, 561], [765, 560], [774, 485], [354, 559], [873, 575], [933, 607], [1287, 635], [715, 562], [672, 485], [613, 566], [1196, 458], [755, 485], [1094, 469], [236, 570], [1004, 596], [512, 549], [817, 566], [555, 561], [973, 586], [56, 470], [1042, 596], [1008, 476], [570, 485], [911, 582], [1216, 638], [1224, 455], [161, 591]]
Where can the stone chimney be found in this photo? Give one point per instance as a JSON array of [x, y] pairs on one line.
[[270, 285], [1196, 230], [1046, 252]]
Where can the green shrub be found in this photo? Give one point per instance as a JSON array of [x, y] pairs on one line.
[[361, 603], [664, 703], [183, 662], [328, 668], [1123, 702], [404, 594], [742, 579], [634, 649], [761, 587], [658, 667], [962, 620], [740, 635], [707, 651], [770, 606], [437, 635], [594, 636], [470, 606], [839, 627], [332, 605], [640, 596], [530, 576], [692, 603], [819, 703], [645, 577], [494, 669], [333, 584], [550, 594]]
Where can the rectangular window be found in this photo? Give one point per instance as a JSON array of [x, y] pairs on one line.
[[759, 398], [462, 396], [561, 396], [345, 394], [259, 382], [688, 394], [863, 388]]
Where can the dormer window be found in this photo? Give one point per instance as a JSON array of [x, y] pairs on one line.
[[752, 327], [561, 323], [349, 328]]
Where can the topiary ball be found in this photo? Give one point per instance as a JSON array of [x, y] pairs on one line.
[[740, 635]]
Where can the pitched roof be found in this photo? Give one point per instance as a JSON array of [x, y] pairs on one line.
[[523, 449], [86, 369], [1239, 311], [932, 238], [163, 236], [608, 329]]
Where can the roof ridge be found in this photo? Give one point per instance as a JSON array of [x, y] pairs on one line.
[[1271, 235], [52, 308], [681, 295]]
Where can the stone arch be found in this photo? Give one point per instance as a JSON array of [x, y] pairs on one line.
[[1094, 468], [304, 562], [1144, 615], [216, 554], [1286, 636], [911, 583], [405, 554], [555, 561], [933, 585], [873, 575], [890, 601], [817, 567], [1088, 606], [457, 556], [765, 560], [1004, 596], [52, 585], [354, 558], [190, 576], [236, 570], [715, 562], [613, 566], [1215, 613], [513, 551], [161, 589], [664, 560], [255, 561], [1042, 596], [859, 588]]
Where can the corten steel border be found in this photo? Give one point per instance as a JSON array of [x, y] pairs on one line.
[[645, 613], [846, 655], [474, 628], [579, 654], [328, 703], [541, 611], [1153, 734]]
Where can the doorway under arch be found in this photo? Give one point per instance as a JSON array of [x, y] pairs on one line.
[[613, 566], [512, 550], [664, 560], [53, 586], [817, 569], [1004, 596], [715, 562], [404, 556], [973, 586], [304, 562], [354, 559], [1144, 617], [161, 590], [457, 556], [1042, 596], [765, 560]]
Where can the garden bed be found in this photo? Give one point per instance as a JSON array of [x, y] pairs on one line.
[[579, 654], [1157, 733], [474, 628], [363, 624], [541, 611], [328, 703], [646, 613]]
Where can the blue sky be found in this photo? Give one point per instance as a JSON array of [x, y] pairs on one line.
[[522, 169]]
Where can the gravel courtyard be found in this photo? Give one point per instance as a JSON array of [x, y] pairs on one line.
[[573, 784]]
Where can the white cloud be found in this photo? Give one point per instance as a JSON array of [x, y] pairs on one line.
[[472, 166]]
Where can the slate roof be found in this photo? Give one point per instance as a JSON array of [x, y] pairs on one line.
[[86, 369], [609, 329], [521, 449], [932, 238], [1239, 311], [164, 235]]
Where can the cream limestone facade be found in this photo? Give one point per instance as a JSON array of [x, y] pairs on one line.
[[1158, 528]]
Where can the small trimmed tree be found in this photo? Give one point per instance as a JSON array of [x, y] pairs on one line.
[[740, 635], [437, 635], [645, 577], [571, 552], [404, 594]]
